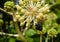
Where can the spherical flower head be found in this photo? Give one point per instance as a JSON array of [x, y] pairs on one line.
[[52, 32], [9, 4], [32, 10]]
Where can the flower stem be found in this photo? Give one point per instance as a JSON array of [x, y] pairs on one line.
[[52, 39], [46, 40], [19, 33], [5, 11], [17, 27], [15, 24], [41, 37]]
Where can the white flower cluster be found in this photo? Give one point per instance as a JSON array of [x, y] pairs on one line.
[[31, 10]]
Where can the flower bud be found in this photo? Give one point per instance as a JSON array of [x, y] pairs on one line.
[[52, 32], [21, 2], [38, 5], [18, 7], [28, 20], [37, 17], [21, 19], [35, 9], [17, 16], [22, 11], [28, 25], [43, 1], [27, 13], [41, 16], [9, 4], [26, 0], [34, 0], [22, 23]]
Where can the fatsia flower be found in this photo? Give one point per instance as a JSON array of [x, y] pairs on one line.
[[30, 10]]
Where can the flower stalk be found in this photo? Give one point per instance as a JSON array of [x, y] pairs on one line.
[[15, 24], [52, 38], [41, 37], [17, 27], [46, 40]]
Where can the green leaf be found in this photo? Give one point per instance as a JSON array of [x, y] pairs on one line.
[[12, 29], [30, 32], [29, 39], [36, 38], [11, 40]]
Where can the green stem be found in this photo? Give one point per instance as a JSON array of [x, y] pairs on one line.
[[17, 27], [52, 39], [19, 33], [41, 37], [46, 40], [15, 23], [5, 11], [1, 27]]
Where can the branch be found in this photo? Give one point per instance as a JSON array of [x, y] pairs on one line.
[[14, 35], [15, 23], [17, 27], [6, 11]]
